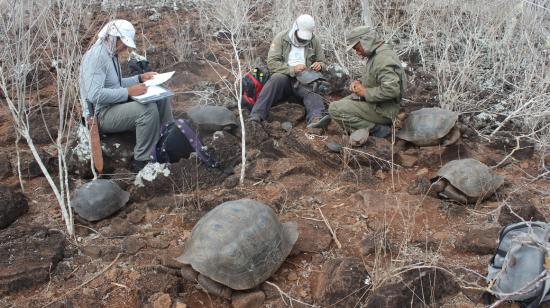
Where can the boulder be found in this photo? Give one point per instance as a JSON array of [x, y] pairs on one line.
[[13, 204], [183, 176], [5, 166], [29, 166], [151, 282], [43, 125], [27, 256], [248, 300], [287, 112], [313, 237], [117, 149], [414, 288], [339, 281], [479, 241], [225, 148], [521, 207]]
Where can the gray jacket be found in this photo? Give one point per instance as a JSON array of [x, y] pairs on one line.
[[101, 82]]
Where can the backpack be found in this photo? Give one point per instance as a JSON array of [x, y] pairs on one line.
[[253, 83], [178, 140], [522, 254]]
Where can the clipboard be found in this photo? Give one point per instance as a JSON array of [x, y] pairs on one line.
[[154, 93]]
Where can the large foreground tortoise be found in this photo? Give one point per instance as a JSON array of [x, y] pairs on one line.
[[237, 245], [466, 181], [209, 119], [430, 126], [99, 199]]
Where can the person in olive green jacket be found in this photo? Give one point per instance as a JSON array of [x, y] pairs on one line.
[[376, 97], [292, 52]]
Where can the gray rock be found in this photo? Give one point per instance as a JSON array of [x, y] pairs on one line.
[[480, 241], [334, 147], [287, 126]]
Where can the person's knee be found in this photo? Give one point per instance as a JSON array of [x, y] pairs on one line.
[[334, 109], [277, 79], [149, 113]]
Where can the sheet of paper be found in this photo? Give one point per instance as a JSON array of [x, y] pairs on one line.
[[159, 79], [151, 91]]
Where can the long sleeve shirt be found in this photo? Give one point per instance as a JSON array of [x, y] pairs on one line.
[[101, 82]]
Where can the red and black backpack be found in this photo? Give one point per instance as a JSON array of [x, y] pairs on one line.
[[253, 82]]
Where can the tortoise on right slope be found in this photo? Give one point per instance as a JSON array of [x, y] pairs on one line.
[[430, 126], [466, 181]]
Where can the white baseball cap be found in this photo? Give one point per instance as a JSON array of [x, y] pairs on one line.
[[306, 26], [120, 28]]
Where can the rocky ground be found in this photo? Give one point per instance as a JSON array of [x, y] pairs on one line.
[[369, 235]]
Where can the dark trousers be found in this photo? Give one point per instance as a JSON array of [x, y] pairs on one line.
[[278, 88]]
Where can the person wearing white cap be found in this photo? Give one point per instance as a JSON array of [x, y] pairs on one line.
[[291, 52], [105, 93]]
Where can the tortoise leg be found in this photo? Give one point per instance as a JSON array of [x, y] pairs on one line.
[[188, 273], [455, 194], [214, 287], [452, 137]]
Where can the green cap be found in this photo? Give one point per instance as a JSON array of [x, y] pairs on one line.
[[354, 36]]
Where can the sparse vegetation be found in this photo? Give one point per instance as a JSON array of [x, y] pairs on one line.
[[489, 61]]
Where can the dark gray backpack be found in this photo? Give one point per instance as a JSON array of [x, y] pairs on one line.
[[518, 271]]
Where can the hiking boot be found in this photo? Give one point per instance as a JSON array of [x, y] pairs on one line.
[[319, 121], [359, 137], [255, 118], [137, 165]]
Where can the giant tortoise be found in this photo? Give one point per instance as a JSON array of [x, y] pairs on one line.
[[237, 245], [430, 126], [209, 119], [466, 181], [99, 199]]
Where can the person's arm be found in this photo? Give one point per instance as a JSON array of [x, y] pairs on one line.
[[275, 59], [93, 78], [320, 54], [130, 81], [390, 87]]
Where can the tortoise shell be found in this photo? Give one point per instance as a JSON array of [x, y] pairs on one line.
[[99, 199], [212, 118], [239, 244], [473, 178], [427, 126]]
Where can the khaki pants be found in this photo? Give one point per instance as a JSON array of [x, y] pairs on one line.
[[144, 119], [356, 114]]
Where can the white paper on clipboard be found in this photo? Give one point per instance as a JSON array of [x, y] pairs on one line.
[[153, 93], [159, 79]]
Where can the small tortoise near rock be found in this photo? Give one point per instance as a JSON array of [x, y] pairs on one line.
[[236, 246], [209, 119], [430, 126], [466, 181], [99, 199]]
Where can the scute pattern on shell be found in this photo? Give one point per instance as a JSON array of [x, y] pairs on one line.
[[471, 177], [239, 244], [427, 126], [99, 199]]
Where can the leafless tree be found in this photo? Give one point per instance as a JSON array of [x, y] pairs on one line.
[[38, 35], [232, 18]]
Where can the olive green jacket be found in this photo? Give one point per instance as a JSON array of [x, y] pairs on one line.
[[277, 58], [384, 77]]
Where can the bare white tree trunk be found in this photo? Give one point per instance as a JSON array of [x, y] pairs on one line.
[[365, 13], [232, 17], [43, 34]]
